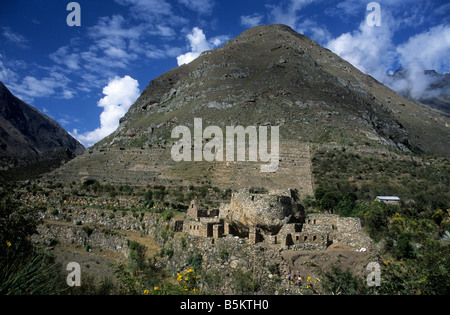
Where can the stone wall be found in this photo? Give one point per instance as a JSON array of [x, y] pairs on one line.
[[137, 167], [308, 241], [119, 220], [347, 231], [104, 239], [197, 228]]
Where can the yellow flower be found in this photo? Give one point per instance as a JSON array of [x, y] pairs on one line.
[[9, 244], [155, 288], [196, 277], [190, 270], [308, 279], [146, 291], [195, 290]]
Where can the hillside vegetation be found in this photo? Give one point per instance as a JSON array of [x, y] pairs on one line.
[[413, 237]]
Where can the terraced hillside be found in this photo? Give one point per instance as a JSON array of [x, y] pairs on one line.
[[155, 166]]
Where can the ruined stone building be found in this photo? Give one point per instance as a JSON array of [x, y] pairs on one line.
[[273, 217], [201, 222]]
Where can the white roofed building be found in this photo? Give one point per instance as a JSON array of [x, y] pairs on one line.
[[391, 200]]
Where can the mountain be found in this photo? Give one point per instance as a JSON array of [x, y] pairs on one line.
[[29, 140], [268, 76], [436, 94]]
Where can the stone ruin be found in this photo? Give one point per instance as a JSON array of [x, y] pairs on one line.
[[272, 217]]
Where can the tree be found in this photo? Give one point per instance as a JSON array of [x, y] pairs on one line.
[[329, 201]]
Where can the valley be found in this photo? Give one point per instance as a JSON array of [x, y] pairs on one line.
[[143, 223]]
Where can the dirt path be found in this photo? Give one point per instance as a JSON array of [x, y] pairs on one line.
[[312, 263]]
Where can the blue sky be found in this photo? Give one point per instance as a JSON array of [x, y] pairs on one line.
[[86, 77]]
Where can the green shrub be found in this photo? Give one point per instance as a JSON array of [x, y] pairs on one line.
[[24, 269], [195, 260], [30, 275], [342, 282], [168, 215], [223, 253], [244, 283], [88, 230], [137, 256]]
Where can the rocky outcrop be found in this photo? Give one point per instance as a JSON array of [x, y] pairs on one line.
[[80, 235], [268, 212]]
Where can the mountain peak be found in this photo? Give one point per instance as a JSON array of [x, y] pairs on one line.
[[270, 74], [267, 76], [270, 28]]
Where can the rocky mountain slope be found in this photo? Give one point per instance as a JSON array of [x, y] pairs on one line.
[[30, 140], [268, 76]]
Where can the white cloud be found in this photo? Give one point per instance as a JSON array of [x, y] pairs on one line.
[[370, 49], [63, 57], [425, 51], [117, 42], [198, 44], [112, 44], [67, 94], [116, 53], [289, 15], [430, 50], [27, 88], [6, 73], [120, 94], [115, 28], [55, 84], [251, 20], [15, 38], [164, 31], [155, 11], [200, 6], [310, 27], [153, 52]]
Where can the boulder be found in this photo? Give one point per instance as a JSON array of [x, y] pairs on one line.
[[266, 211]]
